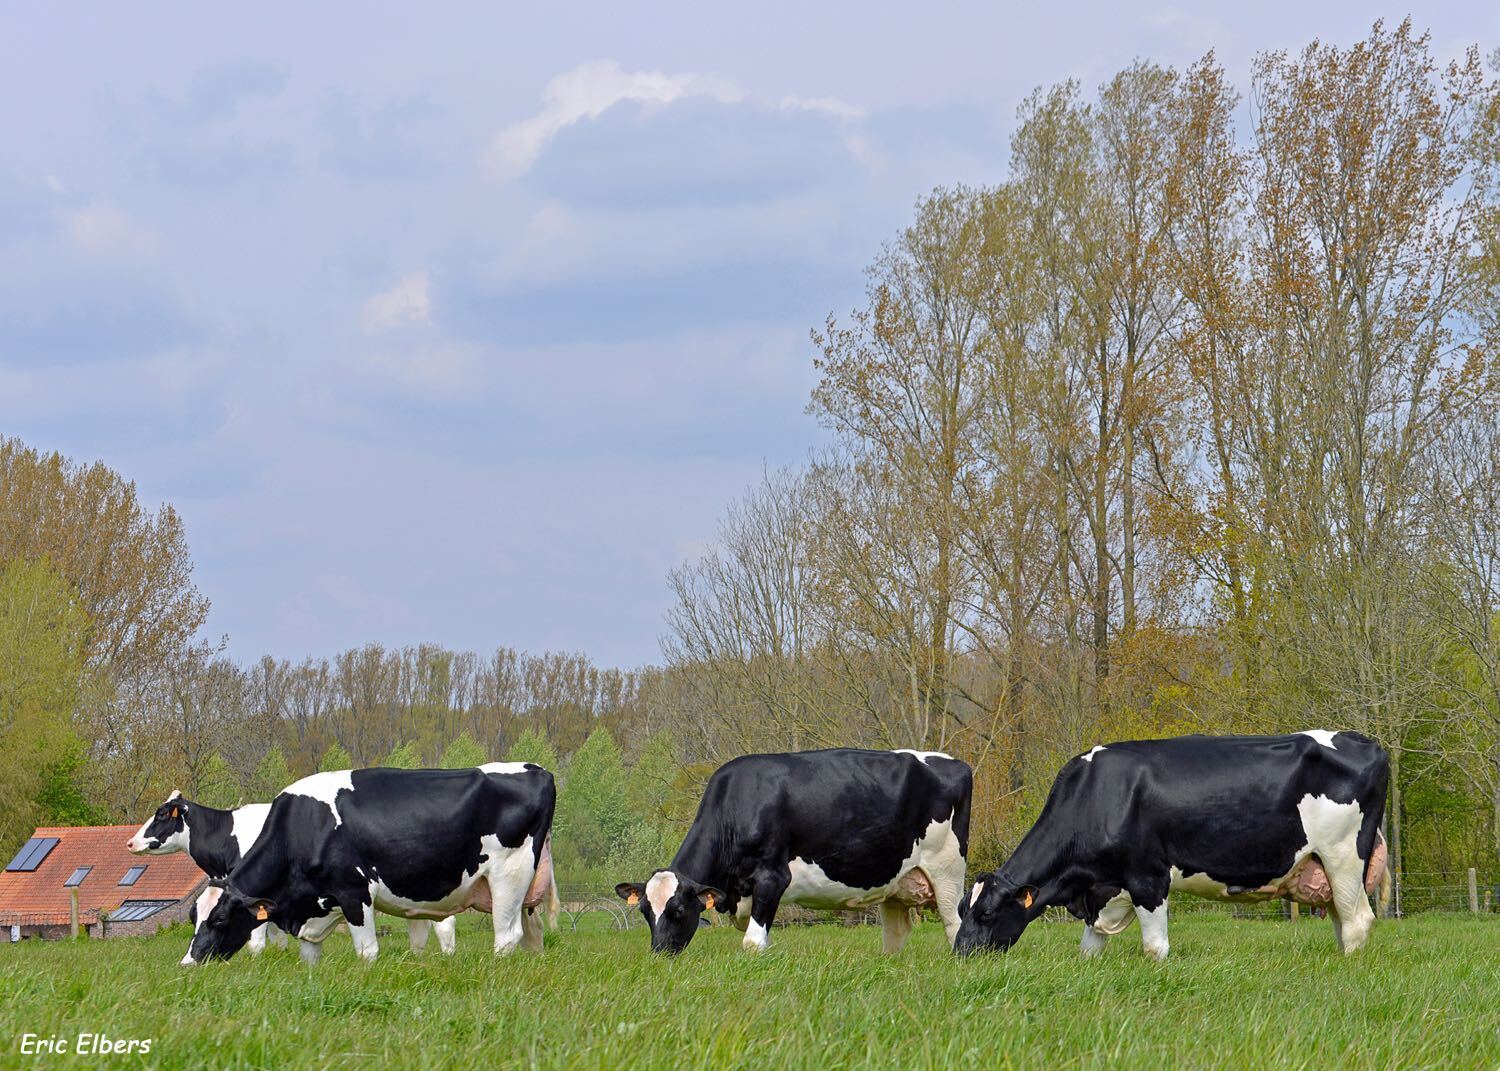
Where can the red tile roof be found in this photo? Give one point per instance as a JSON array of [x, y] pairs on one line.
[[40, 896]]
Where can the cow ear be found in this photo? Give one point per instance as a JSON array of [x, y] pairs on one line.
[[630, 892], [1026, 896], [710, 896]]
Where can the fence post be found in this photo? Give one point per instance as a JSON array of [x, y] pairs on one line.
[[1295, 908], [1473, 891]]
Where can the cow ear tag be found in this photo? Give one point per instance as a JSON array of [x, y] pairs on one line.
[[633, 899], [261, 914], [708, 902], [1027, 901], [174, 812]]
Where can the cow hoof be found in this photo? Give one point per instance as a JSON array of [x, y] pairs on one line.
[[1157, 953]]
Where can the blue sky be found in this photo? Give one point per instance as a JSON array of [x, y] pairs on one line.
[[462, 325]]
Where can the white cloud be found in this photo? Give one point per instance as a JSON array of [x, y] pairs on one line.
[[404, 303], [588, 91], [102, 230], [840, 109]]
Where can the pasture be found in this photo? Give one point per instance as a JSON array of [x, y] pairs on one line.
[[1235, 993]]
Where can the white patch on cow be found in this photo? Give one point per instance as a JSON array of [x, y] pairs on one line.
[[1116, 914], [1200, 885], [1093, 942], [975, 893], [1089, 755], [323, 787], [1322, 736], [923, 755], [1154, 930], [246, 824], [661, 887], [756, 938], [506, 767]]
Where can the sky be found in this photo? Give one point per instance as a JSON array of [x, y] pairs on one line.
[[463, 323]]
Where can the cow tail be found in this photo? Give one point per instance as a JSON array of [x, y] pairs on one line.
[[1385, 887], [554, 902]]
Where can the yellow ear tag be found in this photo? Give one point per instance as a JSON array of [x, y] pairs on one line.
[[633, 899], [1028, 901], [708, 902], [174, 812], [261, 914]]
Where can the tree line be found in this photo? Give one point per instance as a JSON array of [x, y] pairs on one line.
[[1190, 424]]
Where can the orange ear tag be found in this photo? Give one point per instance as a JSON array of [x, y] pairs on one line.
[[1028, 901], [261, 914], [633, 899], [708, 902]]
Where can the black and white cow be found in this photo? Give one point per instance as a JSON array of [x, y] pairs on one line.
[[421, 844], [216, 839], [832, 829], [1238, 818]]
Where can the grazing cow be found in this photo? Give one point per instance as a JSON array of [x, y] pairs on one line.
[[1238, 818], [832, 829], [421, 844], [216, 839]]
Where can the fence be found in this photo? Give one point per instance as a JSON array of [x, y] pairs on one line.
[[592, 907]]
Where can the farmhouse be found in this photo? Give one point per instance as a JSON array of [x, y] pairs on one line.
[[117, 893]]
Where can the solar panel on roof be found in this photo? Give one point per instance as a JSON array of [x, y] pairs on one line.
[[132, 875], [135, 910], [32, 853], [76, 878]]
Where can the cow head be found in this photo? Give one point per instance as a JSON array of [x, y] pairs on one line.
[[673, 905], [228, 925], [166, 831], [994, 913]]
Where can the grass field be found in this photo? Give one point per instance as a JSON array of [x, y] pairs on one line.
[[1236, 994]]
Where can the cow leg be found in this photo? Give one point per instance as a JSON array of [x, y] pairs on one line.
[[1113, 917], [742, 913], [895, 925], [510, 873], [311, 951], [769, 885], [1150, 899], [417, 931], [311, 934], [276, 935], [1350, 907], [257, 942], [361, 920], [447, 934]]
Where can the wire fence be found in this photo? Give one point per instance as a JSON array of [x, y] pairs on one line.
[[589, 907]]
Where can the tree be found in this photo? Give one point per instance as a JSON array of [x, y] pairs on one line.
[[271, 776], [533, 746], [130, 568], [216, 785], [593, 810], [335, 758], [42, 648], [403, 757], [462, 753]]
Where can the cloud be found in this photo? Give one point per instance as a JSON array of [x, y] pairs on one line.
[[403, 304], [102, 230], [588, 91]]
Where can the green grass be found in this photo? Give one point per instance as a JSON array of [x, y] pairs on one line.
[[1237, 994]]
